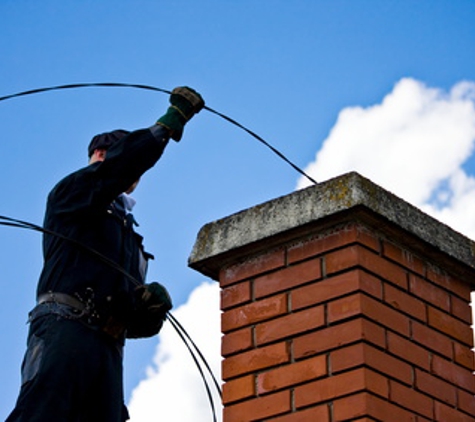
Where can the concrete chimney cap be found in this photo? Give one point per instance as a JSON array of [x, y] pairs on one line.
[[336, 198]]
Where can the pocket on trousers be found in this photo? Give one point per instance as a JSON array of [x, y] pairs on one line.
[[33, 358]]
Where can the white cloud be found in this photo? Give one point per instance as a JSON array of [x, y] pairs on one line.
[[414, 144], [173, 389]]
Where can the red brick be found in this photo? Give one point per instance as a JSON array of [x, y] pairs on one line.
[[368, 237], [358, 256], [250, 268], [449, 414], [405, 303], [256, 359], [450, 326], [347, 357], [334, 287], [429, 292], [238, 389], [466, 402], [464, 355], [455, 374], [370, 284], [408, 351], [313, 414], [292, 374], [431, 339], [236, 341], [340, 385], [461, 309], [435, 387], [287, 278], [364, 354], [364, 420], [411, 399], [357, 304], [452, 284], [290, 325], [329, 241], [403, 257], [258, 408], [338, 336], [389, 365], [363, 404], [342, 259], [237, 294], [254, 312], [422, 419], [351, 408], [344, 308]]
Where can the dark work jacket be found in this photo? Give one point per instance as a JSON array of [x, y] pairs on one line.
[[81, 207]]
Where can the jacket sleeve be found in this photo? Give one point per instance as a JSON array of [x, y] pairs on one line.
[[94, 187]]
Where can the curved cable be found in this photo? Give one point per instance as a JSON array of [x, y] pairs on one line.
[[261, 140], [153, 88], [208, 390], [13, 222], [179, 327], [84, 85]]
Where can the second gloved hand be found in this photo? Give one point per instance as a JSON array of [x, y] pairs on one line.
[[185, 103], [152, 304], [154, 296]]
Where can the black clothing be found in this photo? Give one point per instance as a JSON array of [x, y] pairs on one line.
[[72, 371], [83, 207]]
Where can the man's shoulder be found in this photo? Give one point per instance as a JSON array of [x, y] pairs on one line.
[[77, 180]]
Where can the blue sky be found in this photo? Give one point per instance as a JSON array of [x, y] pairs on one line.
[[303, 74]]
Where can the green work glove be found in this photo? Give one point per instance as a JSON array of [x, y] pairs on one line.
[[152, 304], [155, 296], [185, 103]]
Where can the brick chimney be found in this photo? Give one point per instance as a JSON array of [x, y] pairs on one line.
[[341, 302]]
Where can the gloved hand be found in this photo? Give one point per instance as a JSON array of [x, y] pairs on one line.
[[152, 304], [185, 103]]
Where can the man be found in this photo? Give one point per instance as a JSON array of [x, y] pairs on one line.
[[92, 292]]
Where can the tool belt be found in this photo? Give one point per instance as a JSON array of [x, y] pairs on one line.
[[63, 299], [84, 312]]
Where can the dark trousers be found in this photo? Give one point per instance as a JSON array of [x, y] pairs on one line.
[[70, 373]]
